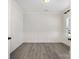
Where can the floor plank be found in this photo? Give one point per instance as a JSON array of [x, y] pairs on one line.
[[41, 51]]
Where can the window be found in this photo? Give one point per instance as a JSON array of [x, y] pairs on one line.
[[68, 27]]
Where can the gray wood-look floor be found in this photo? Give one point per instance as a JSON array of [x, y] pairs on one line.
[[41, 51]]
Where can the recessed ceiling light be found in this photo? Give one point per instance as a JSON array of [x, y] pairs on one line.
[[46, 1]]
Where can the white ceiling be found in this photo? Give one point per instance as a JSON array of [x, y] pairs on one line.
[[39, 5]]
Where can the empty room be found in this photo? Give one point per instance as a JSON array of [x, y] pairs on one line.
[[39, 29]]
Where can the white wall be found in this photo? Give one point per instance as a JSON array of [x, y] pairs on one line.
[[9, 25], [42, 27], [16, 25]]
